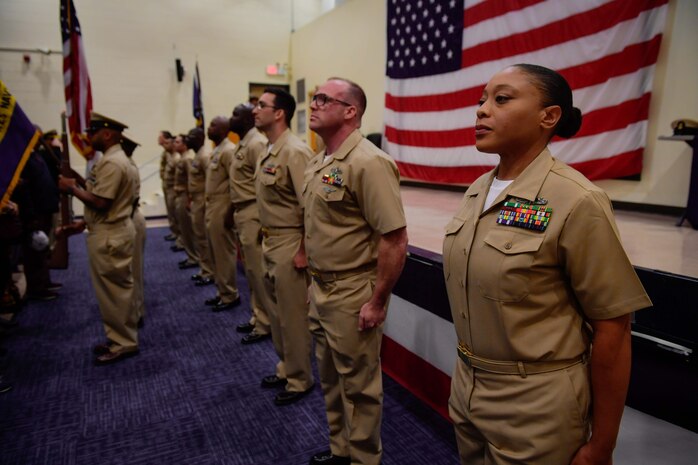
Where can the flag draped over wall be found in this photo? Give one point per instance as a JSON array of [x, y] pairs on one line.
[[441, 53], [17, 139], [197, 104], [78, 92]]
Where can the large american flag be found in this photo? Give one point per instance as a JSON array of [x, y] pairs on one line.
[[441, 53], [78, 92]]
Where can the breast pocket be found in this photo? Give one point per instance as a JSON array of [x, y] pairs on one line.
[[452, 230], [510, 256], [268, 179]]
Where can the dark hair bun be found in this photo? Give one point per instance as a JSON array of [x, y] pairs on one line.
[[569, 123]]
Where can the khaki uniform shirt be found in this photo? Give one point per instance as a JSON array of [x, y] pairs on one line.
[[247, 153], [170, 169], [163, 165], [196, 182], [350, 199], [136, 174], [182, 172], [279, 182], [112, 178], [520, 294], [217, 181]]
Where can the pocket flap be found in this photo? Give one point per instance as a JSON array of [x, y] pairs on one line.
[[512, 242]]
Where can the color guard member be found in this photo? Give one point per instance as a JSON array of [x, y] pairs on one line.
[[109, 200], [129, 146]]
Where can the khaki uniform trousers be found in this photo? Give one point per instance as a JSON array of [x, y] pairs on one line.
[[288, 314], [170, 203], [223, 249], [249, 235], [507, 419], [349, 366], [185, 226], [138, 259], [198, 227], [110, 248]]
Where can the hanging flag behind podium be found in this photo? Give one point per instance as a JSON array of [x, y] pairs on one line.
[[17, 139], [441, 53]]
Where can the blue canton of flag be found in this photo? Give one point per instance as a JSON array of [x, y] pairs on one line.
[[425, 37]]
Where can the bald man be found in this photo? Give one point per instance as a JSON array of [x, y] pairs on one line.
[[221, 239], [243, 217]]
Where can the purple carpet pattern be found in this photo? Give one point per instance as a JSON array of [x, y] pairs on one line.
[[191, 397]]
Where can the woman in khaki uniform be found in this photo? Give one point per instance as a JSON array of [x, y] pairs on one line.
[[535, 273]]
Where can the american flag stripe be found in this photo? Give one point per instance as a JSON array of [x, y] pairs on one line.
[[78, 91], [604, 146], [604, 95], [605, 49]]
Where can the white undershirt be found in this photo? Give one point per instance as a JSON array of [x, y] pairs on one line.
[[495, 189]]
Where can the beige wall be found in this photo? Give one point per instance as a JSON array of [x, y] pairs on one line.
[[350, 42], [131, 46]]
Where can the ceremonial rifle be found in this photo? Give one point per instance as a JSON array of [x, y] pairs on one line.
[[59, 255]]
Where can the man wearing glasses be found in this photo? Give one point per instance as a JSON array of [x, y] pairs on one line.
[[356, 243], [278, 183], [109, 197]]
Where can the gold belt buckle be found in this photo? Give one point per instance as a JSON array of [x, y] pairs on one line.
[[464, 355]]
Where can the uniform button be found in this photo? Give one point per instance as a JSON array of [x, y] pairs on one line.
[[462, 314], [507, 245], [462, 283]]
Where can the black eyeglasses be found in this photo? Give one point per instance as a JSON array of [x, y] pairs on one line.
[[323, 99], [262, 105]]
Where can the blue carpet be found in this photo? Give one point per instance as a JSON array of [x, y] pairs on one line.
[[191, 397]]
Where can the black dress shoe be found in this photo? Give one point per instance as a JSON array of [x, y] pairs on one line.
[[170, 237], [273, 381], [212, 301], [254, 337], [54, 286], [196, 277], [244, 328], [289, 397], [221, 306], [204, 282], [44, 295], [114, 357], [327, 458], [187, 265], [176, 248], [101, 349]]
